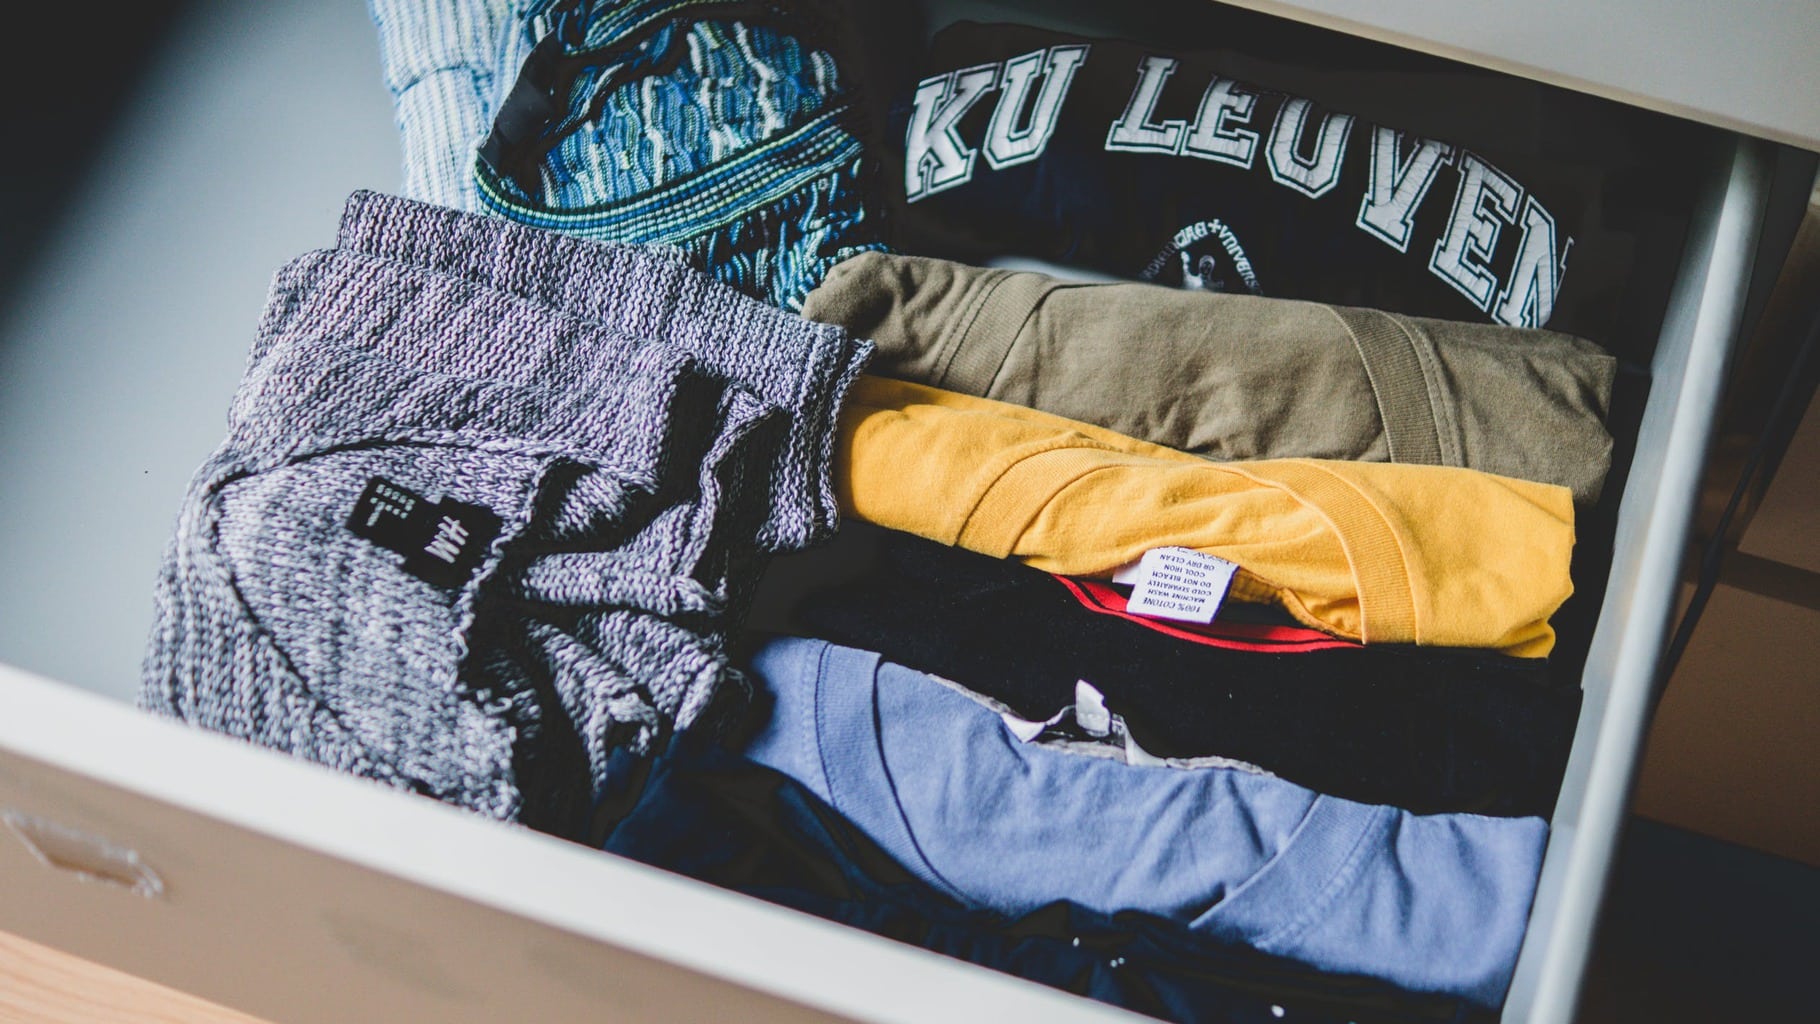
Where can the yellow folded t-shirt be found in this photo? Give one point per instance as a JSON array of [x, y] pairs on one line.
[[1379, 552]]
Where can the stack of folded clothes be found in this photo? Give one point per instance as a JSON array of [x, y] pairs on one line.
[[1187, 648]]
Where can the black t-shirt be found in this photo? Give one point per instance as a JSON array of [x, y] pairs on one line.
[[1160, 164], [1428, 729]]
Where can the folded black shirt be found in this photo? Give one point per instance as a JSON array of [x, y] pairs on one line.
[[1426, 729], [1176, 164]]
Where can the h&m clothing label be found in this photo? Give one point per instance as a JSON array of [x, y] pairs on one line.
[[442, 542]]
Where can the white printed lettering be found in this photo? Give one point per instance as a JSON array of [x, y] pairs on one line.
[[1213, 137], [1535, 278], [1318, 172], [1398, 186], [450, 536], [1133, 132], [935, 158], [1472, 233], [1006, 144]]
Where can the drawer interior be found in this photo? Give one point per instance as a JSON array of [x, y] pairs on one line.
[[375, 897]]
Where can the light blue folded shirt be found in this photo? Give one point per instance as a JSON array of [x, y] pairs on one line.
[[1434, 903]]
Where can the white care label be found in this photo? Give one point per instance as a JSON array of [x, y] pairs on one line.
[[1177, 583]]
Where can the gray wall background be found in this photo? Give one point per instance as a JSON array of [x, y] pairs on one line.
[[125, 333]]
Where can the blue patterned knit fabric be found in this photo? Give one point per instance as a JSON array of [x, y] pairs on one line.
[[737, 139], [443, 62]]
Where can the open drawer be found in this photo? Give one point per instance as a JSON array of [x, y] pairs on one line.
[[295, 893]]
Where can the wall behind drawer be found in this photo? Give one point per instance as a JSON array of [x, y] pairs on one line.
[[126, 331]]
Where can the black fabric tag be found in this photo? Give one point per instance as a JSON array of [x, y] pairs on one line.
[[442, 542]]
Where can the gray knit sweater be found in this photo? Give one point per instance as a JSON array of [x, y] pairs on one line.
[[469, 543]]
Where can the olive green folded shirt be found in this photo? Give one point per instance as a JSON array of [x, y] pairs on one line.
[[1238, 377]]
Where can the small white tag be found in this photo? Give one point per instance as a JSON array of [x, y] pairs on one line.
[[1178, 583], [1025, 730], [1090, 709], [1137, 755]]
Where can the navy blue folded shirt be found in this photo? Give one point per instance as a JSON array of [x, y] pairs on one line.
[[715, 816]]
